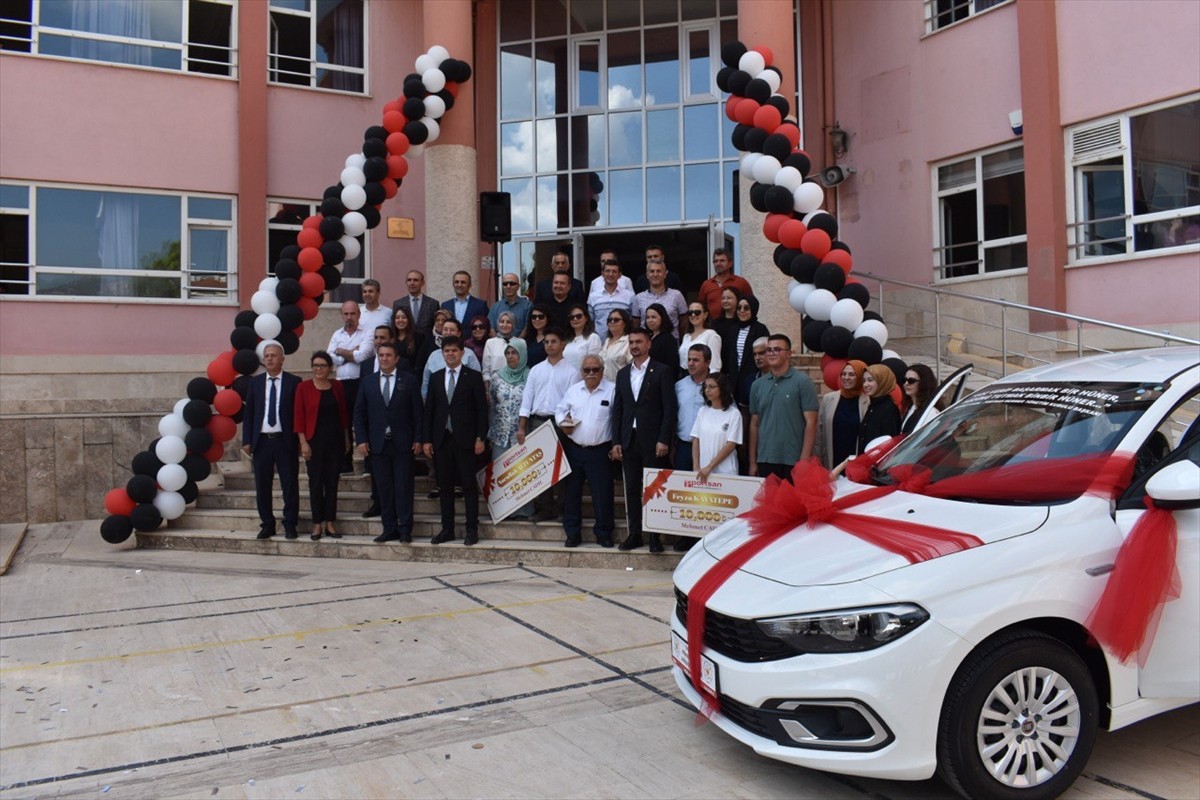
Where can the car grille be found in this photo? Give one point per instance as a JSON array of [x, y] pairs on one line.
[[739, 639], [756, 720]]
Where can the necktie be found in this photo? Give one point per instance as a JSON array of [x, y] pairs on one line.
[[272, 400], [415, 303], [449, 398], [387, 389]]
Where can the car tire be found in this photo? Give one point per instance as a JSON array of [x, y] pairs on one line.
[[993, 744]]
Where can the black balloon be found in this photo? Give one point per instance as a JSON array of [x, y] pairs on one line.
[[196, 466], [803, 267], [897, 366], [840, 246], [835, 341], [755, 139], [375, 132], [856, 292], [332, 276], [335, 252], [290, 317], [831, 277], [201, 389], [416, 132], [289, 340], [198, 440], [780, 102], [286, 268], [330, 192], [723, 78], [414, 108], [732, 52], [245, 319], [376, 194], [738, 137], [872, 315], [141, 488], [738, 79], [189, 492], [197, 413], [777, 146], [116, 529], [332, 227], [374, 148], [288, 292], [332, 207], [372, 215], [824, 221], [800, 161], [447, 98], [758, 90], [290, 251], [758, 197], [245, 361], [414, 87], [782, 256], [812, 332], [145, 517], [464, 74], [779, 200], [146, 463], [866, 350]]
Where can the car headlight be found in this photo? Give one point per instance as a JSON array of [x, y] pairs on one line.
[[850, 630]]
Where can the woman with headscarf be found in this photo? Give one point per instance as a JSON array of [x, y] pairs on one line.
[[504, 392], [663, 347], [737, 344], [920, 384], [476, 336], [882, 417], [493, 350], [840, 415]]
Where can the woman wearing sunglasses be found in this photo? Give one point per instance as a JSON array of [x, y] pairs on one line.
[[697, 332], [615, 351], [582, 339], [919, 386], [539, 320]]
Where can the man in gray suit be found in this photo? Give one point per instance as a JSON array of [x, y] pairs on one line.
[[420, 306]]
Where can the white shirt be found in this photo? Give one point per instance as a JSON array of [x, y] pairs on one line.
[[591, 410], [597, 284], [689, 399], [370, 320], [545, 387], [616, 355], [453, 373], [278, 426], [637, 375], [714, 429], [361, 342], [707, 337], [601, 302], [581, 346]]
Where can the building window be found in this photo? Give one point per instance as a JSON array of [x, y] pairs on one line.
[[318, 43], [1136, 182], [62, 241], [942, 13], [187, 35], [980, 208], [284, 219]]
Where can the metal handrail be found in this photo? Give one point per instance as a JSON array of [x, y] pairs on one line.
[[1005, 329]]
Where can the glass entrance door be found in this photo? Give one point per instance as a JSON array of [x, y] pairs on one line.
[[687, 252], [533, 259]]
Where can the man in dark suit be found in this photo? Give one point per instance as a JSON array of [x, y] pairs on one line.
[[387, 414], [643, 419], [560, 264], [269, 437], [420, 306], [456, 423], [464, 305]]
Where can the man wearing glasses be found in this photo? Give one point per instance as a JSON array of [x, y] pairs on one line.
[[585, 416], [783, 413], [658, 290], [512, 302], [610, 290]]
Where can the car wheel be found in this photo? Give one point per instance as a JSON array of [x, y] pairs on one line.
[[1019, 719]]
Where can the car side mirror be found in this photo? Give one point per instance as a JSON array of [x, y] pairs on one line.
[[1175, 486]]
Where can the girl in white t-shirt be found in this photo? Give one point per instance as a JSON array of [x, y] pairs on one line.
[[717, 431]]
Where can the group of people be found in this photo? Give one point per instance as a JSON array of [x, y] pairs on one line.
[[659, 383]]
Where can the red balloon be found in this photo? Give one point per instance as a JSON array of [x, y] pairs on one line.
[[309, 237], [768, 118], [312, 285], [792, 132], [310, 259], [390, 187], [832, 372], [397, 166], [765, 52], [452, 87], [307, 305], [771, 226], [227, 402], [392, 105], [744, 113], [222, 427], [118, 502], [792, 233], [216, 452], [816, 243], [298, 330], [731, 107], [394, 121], [841, 258], [220, 370], [314, 221], [397, 144]]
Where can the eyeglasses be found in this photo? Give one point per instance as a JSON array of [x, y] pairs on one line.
[[743, 308], [775, 350], [537, 316], [611, 320], [479, 327], [591, 370], [508, 283], [695, 312], [912, 380], [574, 317], [320, 364]]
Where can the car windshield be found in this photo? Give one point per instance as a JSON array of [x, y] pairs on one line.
[[1031, 442]]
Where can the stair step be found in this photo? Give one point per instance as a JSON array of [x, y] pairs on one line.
[[350, 503]]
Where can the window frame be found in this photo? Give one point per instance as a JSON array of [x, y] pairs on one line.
[[972, 7], [315, 67], [1119, 145], [982, 244], [36, 29], [187, 225]]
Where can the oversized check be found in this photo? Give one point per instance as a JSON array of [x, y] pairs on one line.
[[523, 471], [680, 503]]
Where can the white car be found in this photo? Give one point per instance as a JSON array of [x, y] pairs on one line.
[[830, 652]]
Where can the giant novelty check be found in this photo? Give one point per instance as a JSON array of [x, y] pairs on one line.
[[681, 504], [523, 471]]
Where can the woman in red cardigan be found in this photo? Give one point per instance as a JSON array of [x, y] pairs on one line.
[[323, 426]]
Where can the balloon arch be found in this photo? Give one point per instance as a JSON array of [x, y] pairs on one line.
[[193, 435]]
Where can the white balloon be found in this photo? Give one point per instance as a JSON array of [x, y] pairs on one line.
[[354, 197], [438, 54], [171, 477], [789, 178], [748, 162], [772, 78], [765, 169], [877, 331], [808, 197], [353, 248], [353, 176], [435, 106], [435, 130], [792, 284], [819, 303], [752, 62], [170, 504], [170, 449], [268, 284], [262, 346], [356, 160], [798, 296], [354, 223], [846, 313], [267, 326], [426, 62], [183, 401], [434, 80], [889, 353], [415, 150], [264, 302], [173, 425]]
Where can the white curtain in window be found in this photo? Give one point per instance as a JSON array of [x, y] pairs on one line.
[[117, 221], [129, 18]]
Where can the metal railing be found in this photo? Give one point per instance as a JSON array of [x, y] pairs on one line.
[[998, 330]]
